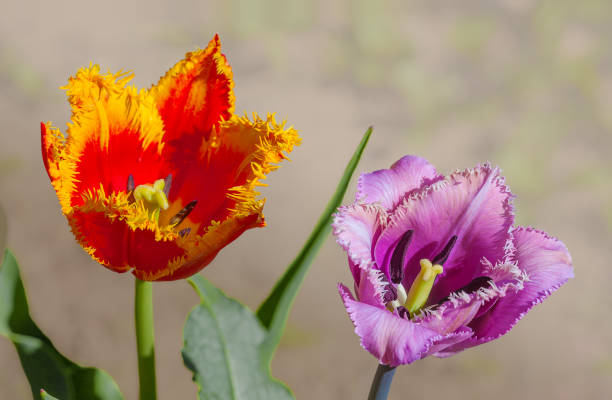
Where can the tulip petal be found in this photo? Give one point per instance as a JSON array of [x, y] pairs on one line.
[[451, 317], [356, 227], [122, 235], [225, 175], [473, 204], [440, 347], [390, 186], [201, 250], [548, 265], [114, 132], [371, 287], [392, 340], [195, 95], [459, 341]]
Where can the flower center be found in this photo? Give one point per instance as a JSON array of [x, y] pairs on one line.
[[408, 304], [153, 197], [422, 285]]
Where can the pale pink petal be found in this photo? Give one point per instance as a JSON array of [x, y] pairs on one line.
[[389, 186]]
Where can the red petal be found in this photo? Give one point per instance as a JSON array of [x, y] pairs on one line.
[[117, 247], [195, 94]]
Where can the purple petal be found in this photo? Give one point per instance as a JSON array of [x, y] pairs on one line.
[[440, 348], [355, 228], [450, 317], [458, 346], [392, 340], [473, 204], [547, 264], [371, 287], [389, 186]]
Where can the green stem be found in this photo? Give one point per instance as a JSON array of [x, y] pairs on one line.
[[381, 383], [145, 339]]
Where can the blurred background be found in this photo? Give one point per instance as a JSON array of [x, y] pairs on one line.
[[524, 84]]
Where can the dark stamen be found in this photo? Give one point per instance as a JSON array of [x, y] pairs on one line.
[[184, 232], [403, 312], [167, 184], [390, 293], [181, 215], [443, 255], [396, 265], [471, 287], [130, 183]]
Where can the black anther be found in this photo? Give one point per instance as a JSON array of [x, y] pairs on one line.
[[443, 255], [181, 215], [130, 183], [184, 232], [396, 265], [403, 312], [390, 294]]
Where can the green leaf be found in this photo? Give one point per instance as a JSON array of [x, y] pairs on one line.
[[273, 312], [46, 396], [3, 232], [222, 340], [43, 365]]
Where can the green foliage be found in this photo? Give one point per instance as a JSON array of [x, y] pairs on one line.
[[221, 346], [43, 365], [46, 396], [226, 346], [3, 233], [273, 312]]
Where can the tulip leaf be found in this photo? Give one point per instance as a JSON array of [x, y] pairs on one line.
[[3, 233], [273, 312], [46, 396], [43, 365], [222, 340]]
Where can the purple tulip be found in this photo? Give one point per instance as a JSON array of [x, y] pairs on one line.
[[437, 264]]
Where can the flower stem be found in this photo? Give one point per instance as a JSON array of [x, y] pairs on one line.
[[145, 339], [381, 383]]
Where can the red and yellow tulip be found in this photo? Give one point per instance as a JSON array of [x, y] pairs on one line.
[[158, 181]]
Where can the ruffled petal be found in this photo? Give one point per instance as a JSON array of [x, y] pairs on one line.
[[201, 250], [370, 287], [450, 317], [195, 95], [356, 227], [115, 131], [461, 340], [223, 179], [389, 186], [473, 204], [442, 347], [392, 340], [122, 235], [547, 265], [59, 165]]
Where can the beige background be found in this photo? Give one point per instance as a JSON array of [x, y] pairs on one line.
[[525, 84]]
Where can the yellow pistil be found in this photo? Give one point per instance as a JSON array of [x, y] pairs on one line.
[[153, 197], [422, 285]]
